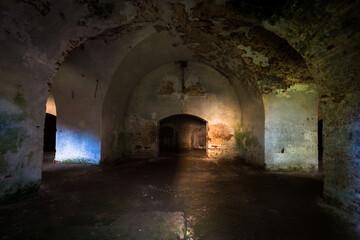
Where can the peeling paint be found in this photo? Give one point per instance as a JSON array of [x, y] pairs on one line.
[[194, 90], [166, 88], [297, 88], [219, 133], [257, 57], [143, 132]]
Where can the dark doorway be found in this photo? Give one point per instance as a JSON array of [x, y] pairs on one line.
[[168, 139], [182, 134], [50, 133], [320, 145]]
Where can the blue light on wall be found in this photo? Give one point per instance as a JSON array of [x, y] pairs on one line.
[[74, 145]]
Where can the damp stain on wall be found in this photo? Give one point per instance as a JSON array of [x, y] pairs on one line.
[[244, 139]]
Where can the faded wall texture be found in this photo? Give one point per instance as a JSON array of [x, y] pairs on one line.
[[258, 48], [342, 148], [125, 79], [79, 87], [207, 95], [78, 108], [291, 129]]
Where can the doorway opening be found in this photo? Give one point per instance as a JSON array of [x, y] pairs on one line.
[[50, 133], [320, 145], [50, 129], [182, 134]]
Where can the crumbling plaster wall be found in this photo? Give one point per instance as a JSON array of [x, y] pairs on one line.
[[80, 86], [78, 119], [156, 50], [207, 95], [328, 36], [291, 128], [35, 37]]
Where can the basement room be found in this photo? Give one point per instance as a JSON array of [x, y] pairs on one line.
[[179, 119]]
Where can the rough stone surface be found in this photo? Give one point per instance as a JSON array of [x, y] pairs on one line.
[[291, 136], [217, 105], [151, 225], [219, 200], [280, 41]]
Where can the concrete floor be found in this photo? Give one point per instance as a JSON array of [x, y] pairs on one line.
[[160, 198]]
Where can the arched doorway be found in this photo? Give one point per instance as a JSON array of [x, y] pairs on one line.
[[182, 134], [50, 129], [50, 133], [168, 139]]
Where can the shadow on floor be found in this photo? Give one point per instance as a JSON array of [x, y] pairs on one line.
[[182, 195]]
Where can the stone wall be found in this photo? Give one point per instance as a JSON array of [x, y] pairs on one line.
[[206, 94], [230, 36], [291, 134], [342, 148]]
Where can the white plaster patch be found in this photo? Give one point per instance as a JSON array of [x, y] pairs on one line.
[[302, 87], [257, 57], [298, 87], [279, 28], [290, 125]]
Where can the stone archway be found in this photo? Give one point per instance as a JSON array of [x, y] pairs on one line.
[[182, 133], [326, 38]]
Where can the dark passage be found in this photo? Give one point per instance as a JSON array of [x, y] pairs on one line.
[[182, 134], [50, 133], [320, 144]]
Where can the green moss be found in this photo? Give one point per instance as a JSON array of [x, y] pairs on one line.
[[12, 136], [244, 138], [278, 168], [78, 161], [19, 99], [30, 155], [20, 193], [117, 142]]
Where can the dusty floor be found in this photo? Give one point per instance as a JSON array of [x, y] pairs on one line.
[[219, 199]]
